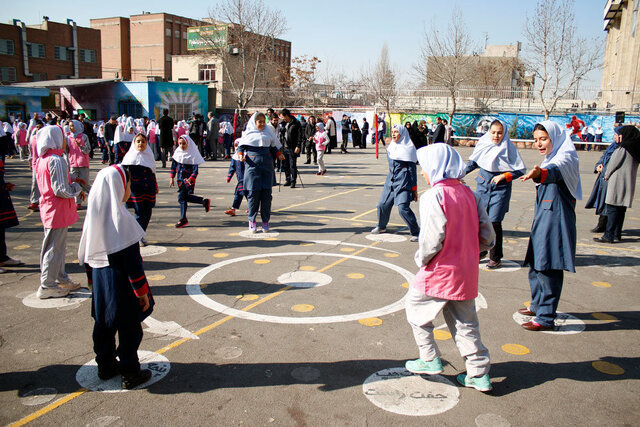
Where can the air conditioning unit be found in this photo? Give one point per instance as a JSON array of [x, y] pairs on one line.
[[234, 50]]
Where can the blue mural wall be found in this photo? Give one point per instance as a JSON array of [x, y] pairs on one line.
[[26, 101], [194, 97]]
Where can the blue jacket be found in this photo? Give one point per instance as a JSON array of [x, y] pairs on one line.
[[401, 181], [495, 198]]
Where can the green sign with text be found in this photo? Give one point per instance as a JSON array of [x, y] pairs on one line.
[[207, 37]]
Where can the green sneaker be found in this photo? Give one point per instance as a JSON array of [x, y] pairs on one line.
[[482, 383], [420, 366]]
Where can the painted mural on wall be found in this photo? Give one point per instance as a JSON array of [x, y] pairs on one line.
[[189, 97], [24, 105]]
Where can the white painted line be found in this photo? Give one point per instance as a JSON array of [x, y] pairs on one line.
[[38, 396], [566, 324], [258, 235], [169, 328], [386, 237], [507, 266], [338, 242], [304, 279], [194, 290], [151, 250]]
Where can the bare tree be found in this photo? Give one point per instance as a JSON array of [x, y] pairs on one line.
[[380, 81], [252, 28], [445, 58], [558, 57]]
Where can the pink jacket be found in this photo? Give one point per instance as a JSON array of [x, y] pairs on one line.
[[21, 137], [33, 147], [77, 159], [322, 140], [55, 212]]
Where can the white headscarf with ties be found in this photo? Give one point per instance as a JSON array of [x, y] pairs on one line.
[[190, 156], [402, 149], [501, 157], [441, 162], [108, 227], [140, 158], [78, 126], [253, 137], [564, 156], [49, 138]]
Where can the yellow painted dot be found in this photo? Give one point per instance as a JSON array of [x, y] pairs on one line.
[[153, 242], [601, 284], [163, 203], [271, 239], [75, 261], [249, 297], [39, 224], [370, 321], [170, 225], [347, 249], [355, 276], [220, 255], [604, 316], [202, 229], [390, 255], [182, 249], [307, 268], [439, 334], [602, 252], [405, 285], [357, 224], [261, 261], [517, 349], [155, 277], [302, 308], [324, 220], [219, 198], [21, 247], [307, 244], [527, 303], [232, 234], [607, 367]]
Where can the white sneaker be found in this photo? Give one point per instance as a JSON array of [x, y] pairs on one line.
[[70, 285], [57, 292], [10, 262], [413, 239], [378, 230]]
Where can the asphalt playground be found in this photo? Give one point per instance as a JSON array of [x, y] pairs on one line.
[[305, 325]]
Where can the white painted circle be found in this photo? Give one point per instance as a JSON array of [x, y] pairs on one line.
[[304, 279], [38, 396], [228, 352], [305, 374], [108, 421], [72, 300], [258, 234], [566, 324], [87, 375], [491, 420], [195, 291], [401, 392], [507, 266], [151, 250], [388, 238]]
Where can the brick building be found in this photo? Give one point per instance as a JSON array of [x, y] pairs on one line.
[[48, 51]]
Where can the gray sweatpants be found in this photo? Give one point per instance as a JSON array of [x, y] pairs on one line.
[[82, 173], [462, 320], [34, 197], [52, 255]]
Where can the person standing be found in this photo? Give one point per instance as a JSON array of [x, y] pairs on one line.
[[109, 137], [365, 133], [346, 125], [196, 129], [439, 133], [330, 126], [356, 135], [382, 129], [291, 141], [213, 131], [309, 132], [165, 127]]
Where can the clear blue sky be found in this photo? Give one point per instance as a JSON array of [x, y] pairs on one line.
[[345, 35]]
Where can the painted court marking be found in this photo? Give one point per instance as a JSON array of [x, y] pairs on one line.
[[151, 250], [507, 266], [388, 238], [194, 290], [304, 279], [566, 324], [72, 300], [401, 392], [258, 235], [38, 396], [356, 245]]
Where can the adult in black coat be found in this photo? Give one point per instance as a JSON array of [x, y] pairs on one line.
[[356, 135], [165, 124], [291, 146], [439, 133], [365, 133]]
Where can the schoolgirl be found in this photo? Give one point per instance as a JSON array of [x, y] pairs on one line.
[[552, 243], [152, 139], [499, 163], [57, 211], [184, 168], [401, 186], [122, 139], [102, 143], [321, 139], [8, 217], [141, 165], [454, 228], [257, 148], [79, 147], [120, 292], [599, 192], [20, 137], [34, 195], [236, 167]]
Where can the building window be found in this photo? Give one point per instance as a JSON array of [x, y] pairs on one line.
[[168, 57], [130, 108], [180, 111], [35, 50], [7, 47], [38, 77], [8, 74], [206, 72], [167, 32], [184, 35], [62, 53], [87, 55], [177, 33]]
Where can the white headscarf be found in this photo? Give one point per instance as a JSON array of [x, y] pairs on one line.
[[78, 126], [151, 125], [141, 158], [564, 156], [108, 227], [501, 157], [441, 162], [49, 138], [254, 137], [122, 131], [403, 149], [190, 156]]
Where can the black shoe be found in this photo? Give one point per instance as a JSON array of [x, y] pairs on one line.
[[108, 371], [132, 381], [293, 185], [602, 240], [307, 163], [286, 184], [598, 230], [483, 255]]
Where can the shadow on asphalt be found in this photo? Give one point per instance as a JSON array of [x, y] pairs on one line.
[[583, 260]]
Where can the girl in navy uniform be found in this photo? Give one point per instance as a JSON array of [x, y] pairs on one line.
[[8, 217], [236, 168], [120, 292], [184, 167], [401, 186], [122, 140], [552, 244], [141, 164], [499, 163]]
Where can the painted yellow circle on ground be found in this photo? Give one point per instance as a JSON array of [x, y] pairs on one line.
[[249, 297], [262, 261], [221, 255], [517, 349], [390, 255], [607, 367], [271, 239], [75, 261], [170, 225], [604, 316], [21, 247], [163, 203], [307, 268], [355, 276], [439, 334], [219, 198], [325, 220], [232, 234], [302, 308], [602, 252], [357, 224], [307, 244], [154, 277], [202, 229], [527, 303], [39, 224], [182, 249], [347, 249], [601, 284], [370, 321], [405, 285]]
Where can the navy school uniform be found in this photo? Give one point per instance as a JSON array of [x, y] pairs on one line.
[[237, 167], [258, 180], [116, 308], [186, 176], [552, 244], [120, 149], [398, 191], [599, 191], [144, 188], [495, 198], [8, 217]]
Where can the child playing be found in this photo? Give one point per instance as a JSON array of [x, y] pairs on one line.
[[79, 148], [236, 167], [322, 140], [123, 137], [552, 243], [8, 217], [140, 163], [184, 166], [34, 196], [57, 211], [120, 292], [454, 229], [21, 141]]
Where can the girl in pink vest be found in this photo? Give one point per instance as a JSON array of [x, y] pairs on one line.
[[321, 139], [21, 141], [454, 228], [33, 156], [79, 148], [57, 211]]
